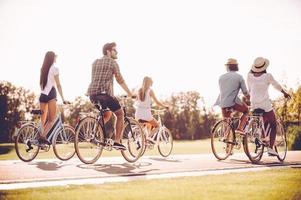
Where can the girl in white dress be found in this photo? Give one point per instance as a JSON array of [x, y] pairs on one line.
[[144, 101]]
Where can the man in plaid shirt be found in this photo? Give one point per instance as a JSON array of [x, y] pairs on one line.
[[101, 88]]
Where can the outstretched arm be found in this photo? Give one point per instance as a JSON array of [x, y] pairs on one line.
[[121, 81], [152, 94], [125, 88], [277, 86], [59, 87]]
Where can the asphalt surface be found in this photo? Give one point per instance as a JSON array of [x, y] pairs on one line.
[[15, 174]]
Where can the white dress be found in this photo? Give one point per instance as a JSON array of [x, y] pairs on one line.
[[258, 88], [143, 108]]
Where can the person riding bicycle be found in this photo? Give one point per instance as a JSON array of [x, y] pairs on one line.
[[101, 88], [143, 104], [230, 84], [258, 82], [49, 78]]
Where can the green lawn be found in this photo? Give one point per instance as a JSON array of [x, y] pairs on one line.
[[7, 150], [272, 184]]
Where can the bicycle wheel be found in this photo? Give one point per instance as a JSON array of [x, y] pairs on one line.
[[63, 143], [165, 142], [252, 145], [89, 139], [134, 139], [26, 143], [280, 142], [222, 137]]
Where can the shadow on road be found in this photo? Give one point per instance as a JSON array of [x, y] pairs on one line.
[[48, 166], [165, 159], [124, 169]]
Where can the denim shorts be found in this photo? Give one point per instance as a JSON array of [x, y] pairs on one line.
[[46, 98], [106, 101]]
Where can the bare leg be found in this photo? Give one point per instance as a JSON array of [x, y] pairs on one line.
[[242, 122], [44, 109], [51, 117], [119, 124], [107, 116], [154, 125]]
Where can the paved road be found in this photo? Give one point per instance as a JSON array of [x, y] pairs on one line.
[[18, 174]]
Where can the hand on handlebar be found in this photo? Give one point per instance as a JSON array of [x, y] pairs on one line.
[[286, 95], [66, 102]]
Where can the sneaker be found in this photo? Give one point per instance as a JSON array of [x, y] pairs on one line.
[[119, 146], [272, 152]]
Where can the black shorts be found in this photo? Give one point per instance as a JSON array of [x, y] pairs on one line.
[[106, 101], [46, 98]]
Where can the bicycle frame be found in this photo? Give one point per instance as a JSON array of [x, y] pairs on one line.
[[158, 134]]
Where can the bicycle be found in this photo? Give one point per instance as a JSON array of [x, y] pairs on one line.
[[161, 136], [60, 135], [224, 138], [257, 135], [91, 136]]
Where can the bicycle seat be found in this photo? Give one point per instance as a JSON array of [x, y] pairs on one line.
[[258, 112], [36, 112]]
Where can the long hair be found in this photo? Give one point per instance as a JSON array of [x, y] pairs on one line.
[[147, 81], [47, 63]]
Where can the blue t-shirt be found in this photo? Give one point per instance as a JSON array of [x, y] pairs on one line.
[[229, 84]]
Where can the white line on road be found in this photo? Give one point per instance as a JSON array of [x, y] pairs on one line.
[[103, 180]]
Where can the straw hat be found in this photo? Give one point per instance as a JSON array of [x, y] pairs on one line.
[[231, 61], [260, 64]]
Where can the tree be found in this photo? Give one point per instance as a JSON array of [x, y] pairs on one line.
[[15, 103]]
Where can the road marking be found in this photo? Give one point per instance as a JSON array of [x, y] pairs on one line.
[[103, 180]]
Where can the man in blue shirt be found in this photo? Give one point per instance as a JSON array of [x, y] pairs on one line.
[[229, 84]]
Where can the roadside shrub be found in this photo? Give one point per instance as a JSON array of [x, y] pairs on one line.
[[294, 138]]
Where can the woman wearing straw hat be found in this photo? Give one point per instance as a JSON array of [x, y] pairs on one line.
[[258, 82]]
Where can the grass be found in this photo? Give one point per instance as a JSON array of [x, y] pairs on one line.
[[7, 150], [272, 184]]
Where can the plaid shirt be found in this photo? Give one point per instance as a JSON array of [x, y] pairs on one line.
[[103, 71]]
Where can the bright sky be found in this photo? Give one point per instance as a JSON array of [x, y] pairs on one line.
[[181, 44]]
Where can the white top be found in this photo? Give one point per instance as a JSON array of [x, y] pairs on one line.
[[143, 108], [53, 71], [258, 88]]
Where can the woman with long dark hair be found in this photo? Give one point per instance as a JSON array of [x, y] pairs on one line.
[[49, 78]]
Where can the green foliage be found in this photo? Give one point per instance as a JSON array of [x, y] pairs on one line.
[[294, 138], [289, 110], [15, 102]]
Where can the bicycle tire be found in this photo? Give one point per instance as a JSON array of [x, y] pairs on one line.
[[26, 136], [222, 145], [280, 142], [163, 137], [253, 147], [134, 139], [63, 143], [88, 138]]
